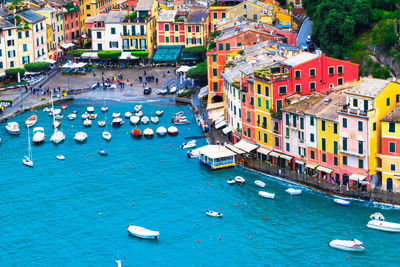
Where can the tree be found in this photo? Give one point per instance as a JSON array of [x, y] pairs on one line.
[[141, 54], [199, 72], [12, 74], [384, 33], [37, 66], [109, 54]]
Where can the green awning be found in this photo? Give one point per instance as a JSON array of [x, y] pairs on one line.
[[167, 53], [190, 56]]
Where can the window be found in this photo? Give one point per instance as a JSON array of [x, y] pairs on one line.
[[312, 86], [393, 167], [287, 130], [98, 35], [312, 121], [323, 144], [266, 88], [113, 44], [298, 88], [88, 7], [312, 137], [288, 147], [19, 35], [282, 90], [312, 73], [12, 65], [267, 104], [287, 119], [239, 44], [1, 65], [244, 6], [360, 147], [259, 89], [360, 126], [259, 102], [301, 123], [176, 27], [335, 127], [335, 161], [167, 39], [277, 144], [276, 126], [197, 28], [323, 157], [215, 15], [10, 43], [331, 70], [99, 47], [176, 39], [294, 121], [27, 34], [254, 16], [215, 86], [25, 60], [278, 105], [265, 138], [189, 28], [344, 160], [41, 40], [374, 126], [388, 101], [392, 127], [220, 46], [335, 147], [259, 135], [215, 72], [340, 81], [344, 122], [252, 101], [113, 30], [340, 69], [392, 147], [312, 154], [361, 164], [214, 58], [323, 126], [228, 46], [297, 74], [344, 144], [166, 27], [9, 33], [248, 132], [355, 102], [24, 47], [223, 15]]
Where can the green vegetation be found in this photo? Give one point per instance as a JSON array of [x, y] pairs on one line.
[[195, 49], [199, 72], [12, 74], [36, 67], [141, 54], [384, 34], [87, 44], [76, 52], [109, 54]]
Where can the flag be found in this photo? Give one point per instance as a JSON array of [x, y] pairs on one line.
[[70, 62]]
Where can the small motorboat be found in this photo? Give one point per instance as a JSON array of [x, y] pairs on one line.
[[259, 183], [138, 108], [56, 112], [193, 153], [231, 181], [161, 91], [189, 144], [57, 137], [106, 135], [128, 115], [85, 116], [12, 128], [116, 115], [378, 223], [56, 124], [64, 107], [341, 202], [80, 136], [161, 131], [75, 111], [102, 152], [136, 133], [46, 110], [72, 116], [172, 130], [101, 123], [26, 161], [104, 109], [135, 120], [180, 121], [58, 117], [117, 122], [154, 120], [148, 133], [144, 120], [60, 157], [90, 109], [240, 179], [92, 116], [31, 121], [38, 135], [159, 113], [266, 194], [143, 232], [172, 90], [139, 113], [87, 123], [348, 245], [293, 191], [214, 214]]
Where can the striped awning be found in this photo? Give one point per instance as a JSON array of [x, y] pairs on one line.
[[324, 169], [275, 154]]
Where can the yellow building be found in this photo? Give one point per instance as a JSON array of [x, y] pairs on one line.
[[263, 95], [196, 28], [51, 22], [217, 13], [91, 8]]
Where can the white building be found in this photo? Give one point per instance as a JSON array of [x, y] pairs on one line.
[[107, 31]]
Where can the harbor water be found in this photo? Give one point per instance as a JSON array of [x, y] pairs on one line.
[[76, 212]]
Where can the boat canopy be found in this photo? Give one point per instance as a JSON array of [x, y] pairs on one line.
[[357, 177], [263, 151], [246, 146], [215, 151]]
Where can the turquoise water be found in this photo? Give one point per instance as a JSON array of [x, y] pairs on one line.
[[76, 212]]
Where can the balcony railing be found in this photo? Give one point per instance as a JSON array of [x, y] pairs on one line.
[[272, 77], [351, 152], [356, 111]]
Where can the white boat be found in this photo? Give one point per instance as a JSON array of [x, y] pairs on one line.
[[138, 108], [85, 116], [104, 109], [12, 128], [231, 181], [159, 113], [144, 120], [80, 136], [161, 91], [56, 112], [60, 157], [143, 232], [128, 115], [46, 110], [38, 135], [116, 115], [378, 223], [139, 113], [342, 202], [134, 120], [172, 90], [92, 116], [90, 109], [172, 130], [240, 179], [72, 116], [188, 145], [56, 124], [31, 121], [106, 135], [119, 263], [28, 160], [259, 183], [266, 194], [64, 107], [148, 133], [57, 136], [195, 153], [101, 123], [161, 131], [214, 214], [117, 122], [154, 120], [293, 191], [87, 122], [348, 245]]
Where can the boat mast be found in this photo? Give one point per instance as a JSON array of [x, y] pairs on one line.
[[29, 147], [52, 112]]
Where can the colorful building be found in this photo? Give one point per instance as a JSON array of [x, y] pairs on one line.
[[72, 22], [171, 28], [8, 57], [218, 12], [196, 28], [52, 34]]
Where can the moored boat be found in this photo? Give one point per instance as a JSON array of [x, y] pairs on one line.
[[293, 191], [31, 121], [102, 152], [180, 121], [138, 108], [136, 133], [161, 131], [159, 113], [117, 122], [12, 128], [104, 109], [80, 136], [101, 123], [57, 137], [240, 179], [266, 194], [231, 181], [92, 116], [214, 214], [172, 130], [189, 144], [90, 109], [75, 111], [148, 133], [56, 124], [128, 115], [72, 116], [85, 116], [143, 232], [347, 245], [378, 223], [135, 120], [154, 120], [58, 117], [87, 123], [60, 157], [195, 153], [106, 136], [341, 202], [64, 107], [116, 115], [144, 120], [259, 183], [38, 135], [139, 113]]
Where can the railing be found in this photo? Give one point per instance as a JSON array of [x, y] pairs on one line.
[[356, 111], [327, 186]]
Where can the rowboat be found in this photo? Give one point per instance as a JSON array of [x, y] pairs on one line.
[[31, 121], [143, 232], [240, 179], [172, 130], [293, 191], [266, 194], [161, 131], [259, 183], [231, 181], [214, 214], [136, 133], [341, 202], [347, 245]]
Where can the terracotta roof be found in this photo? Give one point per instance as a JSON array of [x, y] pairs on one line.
[[303, 105], [393, 115]]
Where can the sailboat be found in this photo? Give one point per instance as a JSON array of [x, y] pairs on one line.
[[106, 135], [28, 160], [58, 136]]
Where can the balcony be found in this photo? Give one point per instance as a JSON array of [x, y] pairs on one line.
[[356, 111], [266, 75], [351, 152]]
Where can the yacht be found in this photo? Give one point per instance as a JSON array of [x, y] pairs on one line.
[[38, 135]]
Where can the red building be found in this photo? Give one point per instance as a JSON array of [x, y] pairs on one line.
[[72, 26]]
